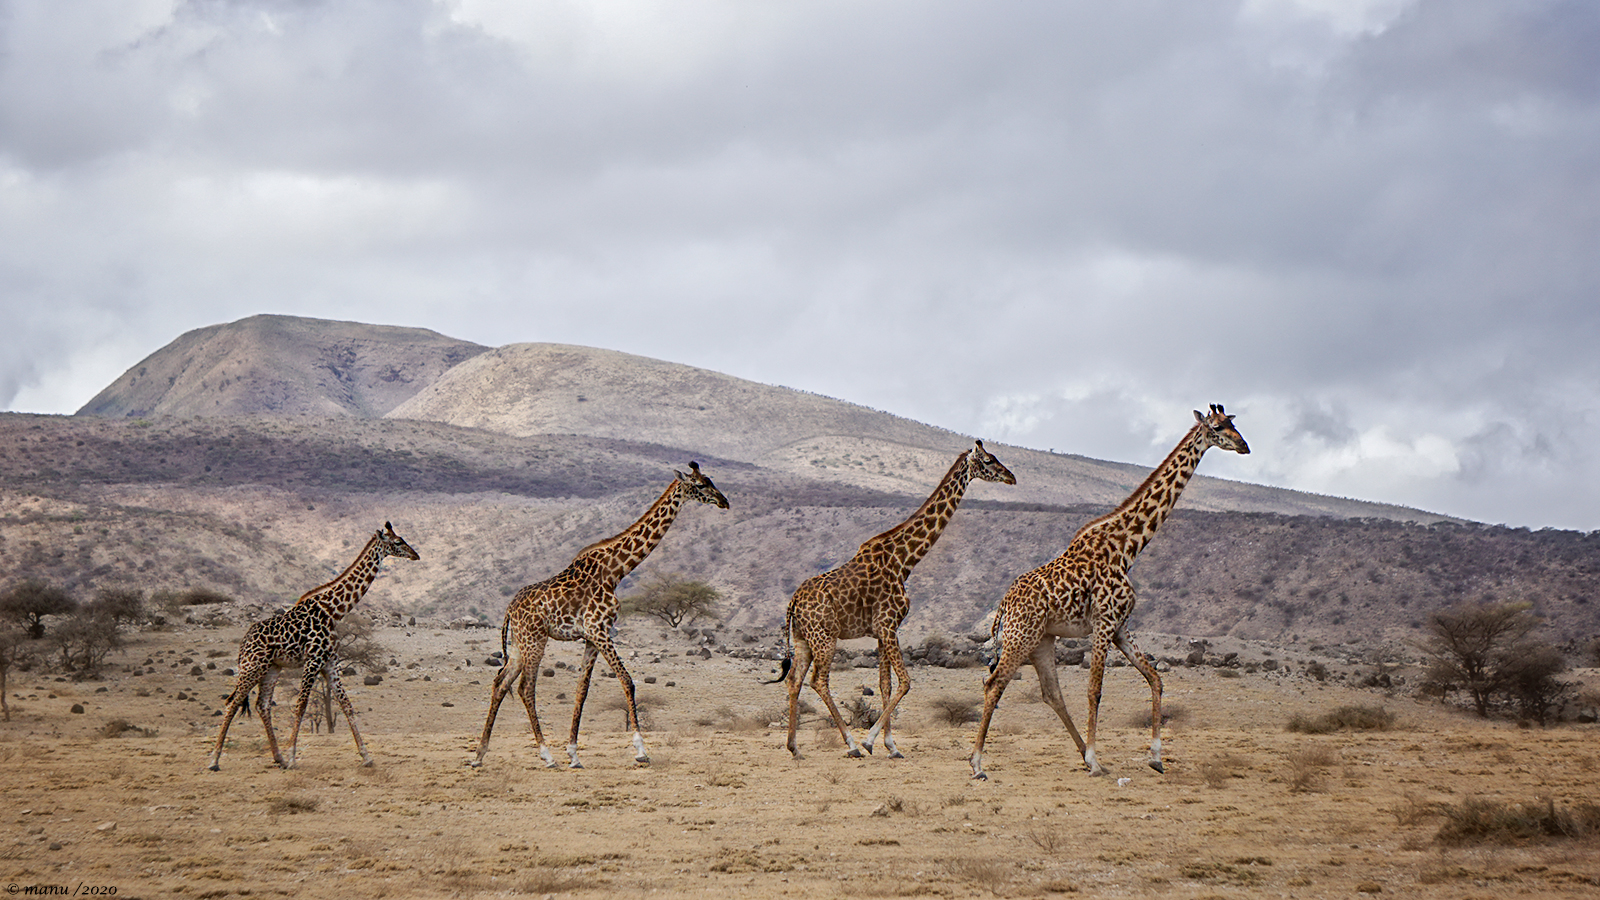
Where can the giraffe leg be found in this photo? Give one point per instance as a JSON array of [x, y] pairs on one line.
[[1011, 659], [264, 702], [1126, 645], [1097, 672], [628, 694], [520, 672], [589, 655], [308, 684], [335, 687], [889, 657], [248, 681], [820, 664], [797, 675], [504, 680], [1044, 663]]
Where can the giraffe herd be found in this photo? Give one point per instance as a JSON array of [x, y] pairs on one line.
[[1085, 592]]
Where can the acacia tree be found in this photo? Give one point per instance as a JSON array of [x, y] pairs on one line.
[[32, 600], [673, 599], [120, 604], [1530, 680], [1470, 647]]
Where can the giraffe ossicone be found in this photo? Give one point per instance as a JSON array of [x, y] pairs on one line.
[[866, 597], [1086, 592], [303, 635], [580, 604]]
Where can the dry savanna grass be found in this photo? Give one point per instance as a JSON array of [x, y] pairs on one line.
[[1435, 805]]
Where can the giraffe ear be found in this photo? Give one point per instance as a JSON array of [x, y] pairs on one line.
[[1198, 417]]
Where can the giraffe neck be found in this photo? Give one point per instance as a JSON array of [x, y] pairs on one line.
[[1135, 521], [903, 546], [614, 557], [340, 595]]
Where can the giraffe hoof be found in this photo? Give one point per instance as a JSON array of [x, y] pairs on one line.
[[897, 755], [215, 767], [856, 754], [367, 764], [642, 760], [1156, 764], [981, 776]]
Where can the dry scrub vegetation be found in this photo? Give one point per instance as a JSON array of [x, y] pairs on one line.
[[1275, 786]]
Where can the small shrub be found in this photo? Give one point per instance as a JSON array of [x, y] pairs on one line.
[[122, 727], [292, 804], [954, 711], [1216, 770], [1308, 767], [1345, 718], [983, 872], [1170, 712], [1479, 821]]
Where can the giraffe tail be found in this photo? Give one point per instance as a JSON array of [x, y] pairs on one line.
[[783, 669], [788, 645], [990, 651]]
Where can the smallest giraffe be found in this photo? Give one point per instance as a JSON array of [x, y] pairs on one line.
[[303, 635]]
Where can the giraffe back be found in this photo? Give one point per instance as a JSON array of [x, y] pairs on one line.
[[566, 606], [858, 599]]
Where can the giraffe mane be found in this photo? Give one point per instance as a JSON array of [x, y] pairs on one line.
[[341, 576], [608, 541], [1144, 486], [960, 461]]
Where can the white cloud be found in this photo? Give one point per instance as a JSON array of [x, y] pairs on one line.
[[1367, 227]]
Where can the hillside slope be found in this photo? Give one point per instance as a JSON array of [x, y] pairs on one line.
[[532, 389], [283, 365], [263, 508]]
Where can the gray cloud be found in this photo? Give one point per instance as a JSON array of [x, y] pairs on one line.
[[1368, 229]]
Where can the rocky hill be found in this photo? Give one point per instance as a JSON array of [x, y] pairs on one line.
[[282, 365], [499, 467]]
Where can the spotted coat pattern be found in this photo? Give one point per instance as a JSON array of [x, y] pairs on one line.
[[303, 635], [1085, 592], [866, 597], [580, 604]]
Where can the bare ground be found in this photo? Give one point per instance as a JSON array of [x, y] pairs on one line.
[[1245, 809]]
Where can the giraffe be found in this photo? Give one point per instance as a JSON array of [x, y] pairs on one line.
[[303, 635], [580, 604], [866, 597], [1086, 592]]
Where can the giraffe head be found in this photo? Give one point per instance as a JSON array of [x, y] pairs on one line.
[[1217, 430], [391, 544], [699, 487], [982, 464]]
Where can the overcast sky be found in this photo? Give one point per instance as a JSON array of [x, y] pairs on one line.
[[1371, 228]]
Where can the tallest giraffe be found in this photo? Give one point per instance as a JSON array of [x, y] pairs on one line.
[[1086, 592], [866, 597]]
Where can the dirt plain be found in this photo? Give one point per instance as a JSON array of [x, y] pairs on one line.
[[118, 795]]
